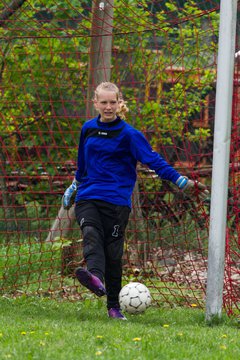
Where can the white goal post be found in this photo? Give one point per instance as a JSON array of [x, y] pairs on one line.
[[221, 154]]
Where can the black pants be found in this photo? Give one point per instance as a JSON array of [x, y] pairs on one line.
[[103, 226]]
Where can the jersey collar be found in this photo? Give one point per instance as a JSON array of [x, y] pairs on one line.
[[111, 123]]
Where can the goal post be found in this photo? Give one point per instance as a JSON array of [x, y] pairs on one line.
[[221, 155]]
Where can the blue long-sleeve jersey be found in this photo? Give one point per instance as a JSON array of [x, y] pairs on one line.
[[107, 158]]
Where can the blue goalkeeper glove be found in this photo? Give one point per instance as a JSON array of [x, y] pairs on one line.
[[192, 188], [69, 195]]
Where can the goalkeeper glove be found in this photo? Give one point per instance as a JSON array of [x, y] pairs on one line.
[[192, 188], [69, 195]]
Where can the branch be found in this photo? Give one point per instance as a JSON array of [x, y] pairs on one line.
[[9, 10]]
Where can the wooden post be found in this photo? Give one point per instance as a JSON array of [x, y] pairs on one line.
[[99, 69]]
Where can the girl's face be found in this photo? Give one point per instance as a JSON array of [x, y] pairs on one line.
[[107, 105]]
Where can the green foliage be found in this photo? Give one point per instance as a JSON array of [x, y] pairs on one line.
[[42, 72], [187, 45], [30, 216], [198, 134], [40, 75]]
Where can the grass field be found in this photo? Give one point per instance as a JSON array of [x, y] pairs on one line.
[[41, 328]]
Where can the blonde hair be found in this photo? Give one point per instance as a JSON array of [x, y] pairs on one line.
[[108, 86]]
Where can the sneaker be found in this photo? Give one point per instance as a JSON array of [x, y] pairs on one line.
[[115, 313], [90, 281]]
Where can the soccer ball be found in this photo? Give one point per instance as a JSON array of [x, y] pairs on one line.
[[134, 298]]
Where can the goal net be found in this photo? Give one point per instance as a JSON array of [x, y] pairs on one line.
[[163, 57]]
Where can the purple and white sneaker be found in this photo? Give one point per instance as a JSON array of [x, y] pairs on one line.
[[115, 313], [90, 281]]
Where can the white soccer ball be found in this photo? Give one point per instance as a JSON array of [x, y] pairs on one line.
[[134, 298]]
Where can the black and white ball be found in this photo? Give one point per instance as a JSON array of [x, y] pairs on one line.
[[134, 298]]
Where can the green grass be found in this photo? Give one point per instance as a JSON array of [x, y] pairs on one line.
[[41, 328], [23, 264]]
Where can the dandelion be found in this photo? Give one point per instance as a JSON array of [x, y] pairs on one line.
[[193, 305], [223, 347], [165, 325], [98, 353], [99, 336], [137, 339], [46, 333], [23, 333]]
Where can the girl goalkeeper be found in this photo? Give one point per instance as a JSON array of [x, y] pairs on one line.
[[108, 152]]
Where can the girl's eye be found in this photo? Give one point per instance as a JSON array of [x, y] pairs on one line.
[[105, 102]]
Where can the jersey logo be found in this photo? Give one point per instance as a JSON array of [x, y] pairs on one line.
[[115, 231], [102, 133]]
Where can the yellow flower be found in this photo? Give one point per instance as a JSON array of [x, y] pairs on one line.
[[98, 353], [165, 325], [46, 333], [193, 305], [23, 333], [137, 339], [99, 336], [223, 347]]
